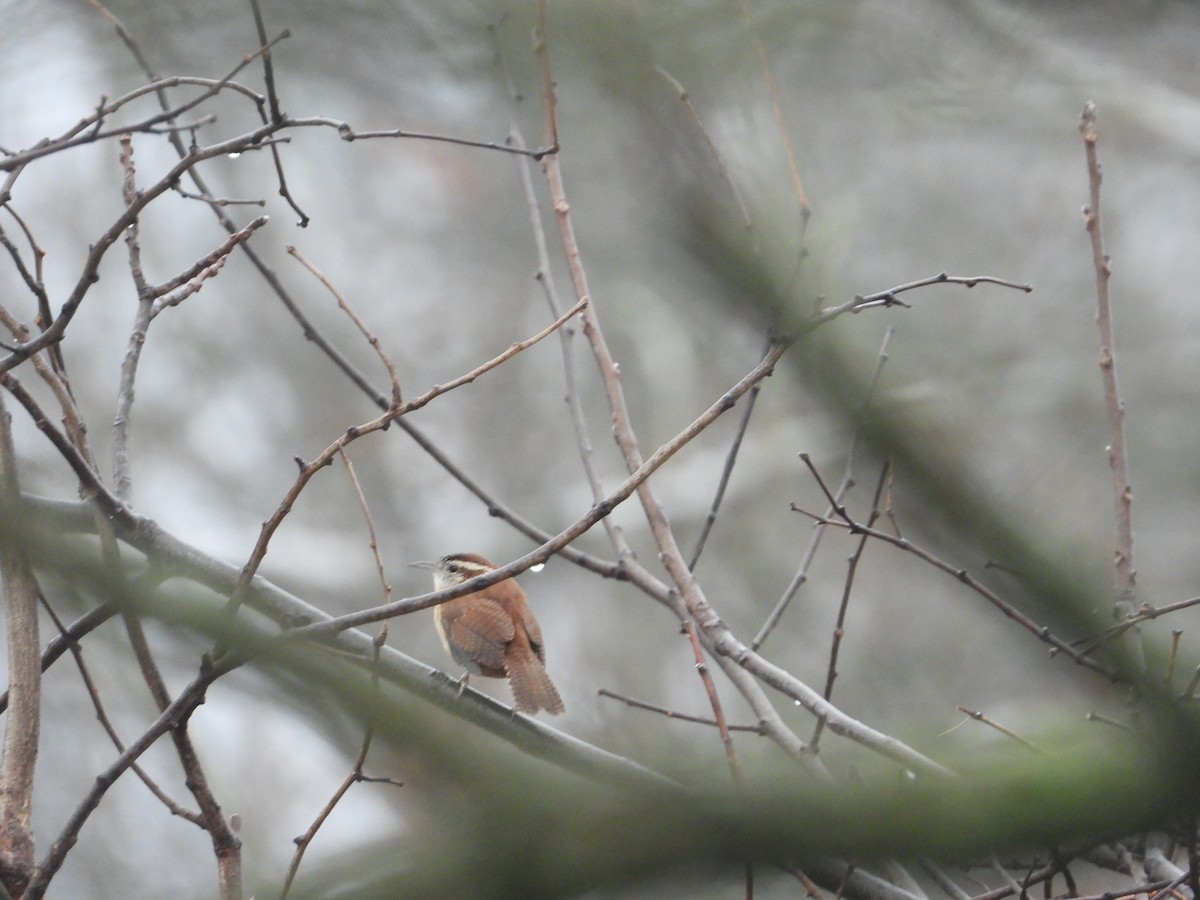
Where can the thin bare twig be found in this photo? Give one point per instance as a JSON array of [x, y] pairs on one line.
[[385, 586], [1093, 716], [276, 113], [1172, 656], [122, 479], [33, 280], [1145, 613], [220, 201], [349, 134], [714, 701], [672, 714], [839, 628], [1118, 459], [54, 375], [191, 279], [991, 723], [710, 145], [357, 320], [726, 472], [890, 297]]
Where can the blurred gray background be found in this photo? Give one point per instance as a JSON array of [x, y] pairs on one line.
[[930, 136]]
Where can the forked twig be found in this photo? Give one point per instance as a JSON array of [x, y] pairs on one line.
[[1043, 633], [814, 543], [839, 628], [890, 297]]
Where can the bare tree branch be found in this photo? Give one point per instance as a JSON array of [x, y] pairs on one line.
[[1118, 460], [22, 726]]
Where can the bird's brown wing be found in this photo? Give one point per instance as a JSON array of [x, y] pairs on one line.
[[534, 631], [479, 633]]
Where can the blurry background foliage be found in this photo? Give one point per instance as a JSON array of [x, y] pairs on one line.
[[930, 136]]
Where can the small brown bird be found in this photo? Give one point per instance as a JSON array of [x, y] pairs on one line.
[[492, 632]]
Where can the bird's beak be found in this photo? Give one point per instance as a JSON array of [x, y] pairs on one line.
[[424, 564]]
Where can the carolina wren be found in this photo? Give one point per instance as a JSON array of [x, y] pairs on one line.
[[492, 632]]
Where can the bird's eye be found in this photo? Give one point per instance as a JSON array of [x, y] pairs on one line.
[[454, 567]]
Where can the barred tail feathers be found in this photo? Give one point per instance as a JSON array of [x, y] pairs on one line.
[[530, 682]]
